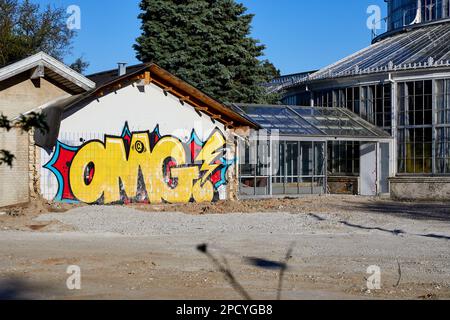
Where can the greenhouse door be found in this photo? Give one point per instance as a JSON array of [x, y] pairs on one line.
[[368, 169]]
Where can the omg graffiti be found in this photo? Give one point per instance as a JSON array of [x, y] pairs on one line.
[[142, 167]]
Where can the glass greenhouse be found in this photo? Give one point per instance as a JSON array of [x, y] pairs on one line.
[[289, 155]]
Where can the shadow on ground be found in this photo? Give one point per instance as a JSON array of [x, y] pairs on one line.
[[416, 211], [14, 288], [395, 232]]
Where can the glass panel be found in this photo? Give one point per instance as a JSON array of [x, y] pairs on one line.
[[418, 86], [415, 128], [318, 186], [292, 163], [278, 167], [443, 150], [371, 104], [247, 186], [279, 118], [401, 166], [262, 186], [307, 121], [364, 110], [247, 159], [263, 167], [344, 157], [356, 100], [292, 159], [319, 158], [408, 49], [387, 107], [349, 103], [306, 159]]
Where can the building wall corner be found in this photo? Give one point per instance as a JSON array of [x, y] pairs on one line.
[[34, 164]]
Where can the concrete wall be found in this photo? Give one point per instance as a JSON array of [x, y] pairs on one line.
[[420, 188], [14, 187], [19, 94], [90, 132]]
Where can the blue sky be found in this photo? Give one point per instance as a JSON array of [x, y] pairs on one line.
[[300, 35]]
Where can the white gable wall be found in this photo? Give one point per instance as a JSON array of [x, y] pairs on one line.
[[143, 111]]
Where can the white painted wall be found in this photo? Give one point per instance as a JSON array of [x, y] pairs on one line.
[[142, 110]]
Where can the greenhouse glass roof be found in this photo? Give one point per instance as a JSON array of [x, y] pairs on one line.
[[310, 121], [426, 46], [418, 48]]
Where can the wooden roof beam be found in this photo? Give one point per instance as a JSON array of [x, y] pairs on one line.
[[204, 109], [167, 90], [147, 77], [199, 108]]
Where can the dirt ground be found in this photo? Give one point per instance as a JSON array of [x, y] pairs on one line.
[[150, 252]]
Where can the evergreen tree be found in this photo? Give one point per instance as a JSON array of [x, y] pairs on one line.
[[208, 44]]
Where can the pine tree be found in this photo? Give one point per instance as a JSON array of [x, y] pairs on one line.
[[208, 44]]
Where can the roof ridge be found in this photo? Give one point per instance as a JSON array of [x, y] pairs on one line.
[[42, 58], [115, 70]]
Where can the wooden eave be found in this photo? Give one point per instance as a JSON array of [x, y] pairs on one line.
[[151, 73]]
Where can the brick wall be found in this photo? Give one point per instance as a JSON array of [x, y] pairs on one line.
[[18, 95], [14, 182]]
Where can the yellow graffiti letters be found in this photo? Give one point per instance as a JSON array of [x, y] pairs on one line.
[[209, 153], [111, 171], [159, 190], [126, 169], [203, 193], [92, 153]]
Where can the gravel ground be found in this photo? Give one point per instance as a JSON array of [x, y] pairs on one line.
[[129, 253], [132, 222]]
